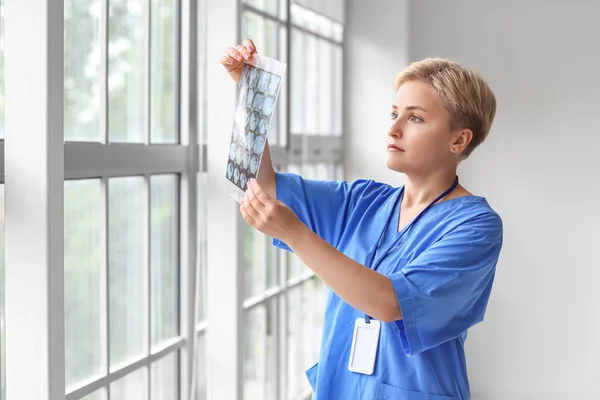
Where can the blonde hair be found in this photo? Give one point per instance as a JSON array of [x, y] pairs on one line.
[[463, 92]]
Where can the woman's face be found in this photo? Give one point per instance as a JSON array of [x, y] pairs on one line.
[[419, 139]]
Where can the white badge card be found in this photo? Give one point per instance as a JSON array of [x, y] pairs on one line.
[[364, 346]]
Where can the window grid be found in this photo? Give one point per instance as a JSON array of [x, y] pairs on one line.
[[152, 353], [125, 159], [111, 160], [304, 150]]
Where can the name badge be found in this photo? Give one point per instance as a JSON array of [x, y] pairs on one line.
[[364, 346]]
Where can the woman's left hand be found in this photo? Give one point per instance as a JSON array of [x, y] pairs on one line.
[[268, 215]]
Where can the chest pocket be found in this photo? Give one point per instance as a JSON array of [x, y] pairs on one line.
[[388, 392]]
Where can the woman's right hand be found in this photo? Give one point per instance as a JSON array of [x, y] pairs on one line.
[[234, 59]]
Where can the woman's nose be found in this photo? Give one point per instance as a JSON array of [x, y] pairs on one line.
[[395, 130]]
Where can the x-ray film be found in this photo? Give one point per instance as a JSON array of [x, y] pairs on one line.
[[257, 99]]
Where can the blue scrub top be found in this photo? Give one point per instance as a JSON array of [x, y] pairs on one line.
[[442, 270]]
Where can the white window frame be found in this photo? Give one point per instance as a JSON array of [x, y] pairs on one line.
[[298, 149], [38, 161]]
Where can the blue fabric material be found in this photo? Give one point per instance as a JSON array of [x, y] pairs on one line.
[[442, 270]]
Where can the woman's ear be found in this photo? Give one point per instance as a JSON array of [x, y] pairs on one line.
[[461, 141]]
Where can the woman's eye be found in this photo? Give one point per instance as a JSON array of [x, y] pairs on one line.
[[393, 115], [415, 118]]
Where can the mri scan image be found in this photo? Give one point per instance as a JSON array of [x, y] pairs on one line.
[[259, 142], [255, 107], [268, 106], [236, 175], [253, 121]]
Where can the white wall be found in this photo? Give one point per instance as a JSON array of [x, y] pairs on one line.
[[539, 169], [376, 49]]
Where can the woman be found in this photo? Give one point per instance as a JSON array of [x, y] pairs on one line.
[[410, 268]]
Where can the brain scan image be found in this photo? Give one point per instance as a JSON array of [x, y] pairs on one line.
[[232, 151], [249, 140], [263, 81], [239, 154], [250, 98], [254, 77], [259, 142], [274, 85], [236, 175], [262, 126], [245, 161], [253, 121], [254, 165], [268, 106], [257, 103]]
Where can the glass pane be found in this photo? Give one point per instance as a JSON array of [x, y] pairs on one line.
[[320, 295], [311, 61], [253, 28], [132, 387], [254, 261], [202, 58], [2, 79], [269, 6], [272, 48], [271, 260], [309, 171], [326, 79], [127, 293], [83, 280], [82, 70], [295, 360], [322, 171], [298, 77], [2, 309], [163, 72], [337, 90], [97, 395], [254, 353], [201, 257], [127, 70], [164, 247], [165, 378], [283, 5], [295, 268], [309, 324], [339, 171], [272, 353], [282, 100], [201, 393]]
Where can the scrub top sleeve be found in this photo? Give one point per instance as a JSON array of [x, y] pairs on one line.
[[323, 206], [445, 290]]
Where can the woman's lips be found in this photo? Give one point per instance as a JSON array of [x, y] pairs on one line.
[[393, 147]]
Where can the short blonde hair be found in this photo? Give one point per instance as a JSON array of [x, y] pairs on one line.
[[463, 92]]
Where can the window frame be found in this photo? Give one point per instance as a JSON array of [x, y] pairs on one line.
[[298, 148]]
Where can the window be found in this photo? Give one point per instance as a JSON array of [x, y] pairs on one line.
[[283, 300], [124, 204], [2, 309], [199, 379], [134, 197], [122, 271], [2, 135]]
